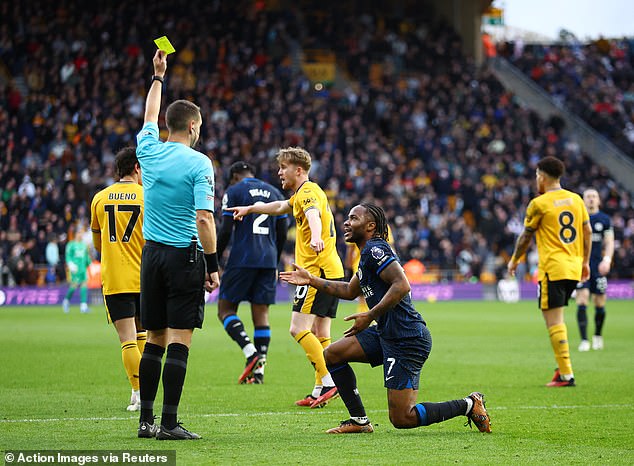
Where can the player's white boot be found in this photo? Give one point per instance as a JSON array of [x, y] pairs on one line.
[[66, 306], [135, 401], [597, 342], [584, 345], [83, 308]]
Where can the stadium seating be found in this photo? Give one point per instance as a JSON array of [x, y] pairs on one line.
[[414, 125]]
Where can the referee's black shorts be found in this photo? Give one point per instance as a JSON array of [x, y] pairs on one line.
[[172, 293]]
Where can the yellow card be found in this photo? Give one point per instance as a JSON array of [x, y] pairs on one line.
[[164, 44]]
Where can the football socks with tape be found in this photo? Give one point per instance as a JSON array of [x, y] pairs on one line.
[[314, 352], [431, 413], [262, 339], [141, 340], [346, 382], [559, 341], [131, 358]]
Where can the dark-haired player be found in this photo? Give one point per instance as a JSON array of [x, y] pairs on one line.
[[559, 220], [116, 219], [600, 262], [400, 341], [250, 273]]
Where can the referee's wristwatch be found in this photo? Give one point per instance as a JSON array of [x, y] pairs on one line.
[[157, 78]]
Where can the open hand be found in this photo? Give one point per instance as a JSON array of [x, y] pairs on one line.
[[296, 277], [362, 321]]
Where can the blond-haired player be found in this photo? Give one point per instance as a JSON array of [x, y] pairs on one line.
[[116, 221], [315, 251]]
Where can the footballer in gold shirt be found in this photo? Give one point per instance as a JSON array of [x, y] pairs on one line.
[[560, 221], [116, 215]]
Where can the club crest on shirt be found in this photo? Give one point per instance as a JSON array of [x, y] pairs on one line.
[[598, 226], [377, 252], [359, 274]]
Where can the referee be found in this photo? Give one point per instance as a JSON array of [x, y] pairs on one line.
[[178, 184]]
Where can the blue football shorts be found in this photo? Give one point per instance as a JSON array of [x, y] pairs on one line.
[[245, 284], [402, 359]]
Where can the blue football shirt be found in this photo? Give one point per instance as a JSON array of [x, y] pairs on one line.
[[177, 181], [601, 224], [403, 321], [254, 239]]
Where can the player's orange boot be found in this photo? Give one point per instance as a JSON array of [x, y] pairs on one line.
[[306, 401], [351, 427], [327, 394], [254, 362], [558, 381], [478, 413]]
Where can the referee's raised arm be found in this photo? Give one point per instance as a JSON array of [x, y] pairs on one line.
[[153, 101]]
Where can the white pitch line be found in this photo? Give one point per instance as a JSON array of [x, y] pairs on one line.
[[291, 413]]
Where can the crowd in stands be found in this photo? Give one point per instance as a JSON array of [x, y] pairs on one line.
[[419, 129], [594, 81]]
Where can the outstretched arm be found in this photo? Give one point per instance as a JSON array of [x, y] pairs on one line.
[[270, 208], [153, 101], [344, 290]]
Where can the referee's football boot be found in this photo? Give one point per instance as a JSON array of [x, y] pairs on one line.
[[327, 394], [147, 430], [351, 427], [177, 433], [478, 413], [558, 381], [253, 362]]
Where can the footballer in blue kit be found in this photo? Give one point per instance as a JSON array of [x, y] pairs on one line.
[[600, 263], [400, 340], [250, 272]]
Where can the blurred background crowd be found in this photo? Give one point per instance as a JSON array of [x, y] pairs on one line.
[[413, 124]]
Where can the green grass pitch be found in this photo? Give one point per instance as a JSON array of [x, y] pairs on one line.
[[62, 386]]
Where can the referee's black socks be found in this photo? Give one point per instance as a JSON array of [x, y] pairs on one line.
[[149, 376], [173, 380]]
